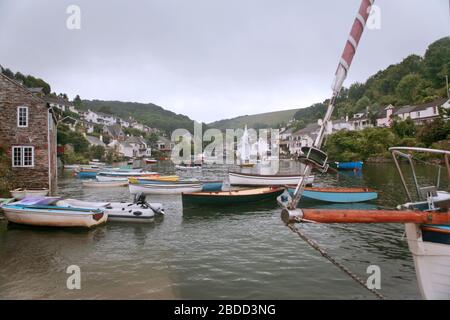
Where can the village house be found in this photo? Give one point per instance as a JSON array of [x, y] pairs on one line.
[[164, 144], [28, 135], [137, 125], [303, 138], [360, 121], [384, 118], [88, 127], [132, 147], [61, 104], [426, 112], [114, 132], [285, 135], [94, 141], [404, 112]]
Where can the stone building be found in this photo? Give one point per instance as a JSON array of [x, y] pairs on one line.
[[28, 135]]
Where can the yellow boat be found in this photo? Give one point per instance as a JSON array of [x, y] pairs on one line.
[[157, 178]]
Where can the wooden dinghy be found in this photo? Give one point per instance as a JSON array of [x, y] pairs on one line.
[[85, 172], [154, 179], [22, 193], [337, 195], [184, 167], [53, 216], [229, 198], [151, 161], [123, 175], [248, 179], [120, 211], [104, 184], [165, 188]]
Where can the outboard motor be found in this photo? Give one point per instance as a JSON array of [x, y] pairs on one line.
[[140, 199]]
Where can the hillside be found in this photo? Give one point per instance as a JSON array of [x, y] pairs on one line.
[[147, 113], [414, 80], [256, 121]]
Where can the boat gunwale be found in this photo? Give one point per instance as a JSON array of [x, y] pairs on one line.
[[336, 190], [229, 193], [267, 176]]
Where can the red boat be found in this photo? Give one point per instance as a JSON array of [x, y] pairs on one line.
[[151, 161]]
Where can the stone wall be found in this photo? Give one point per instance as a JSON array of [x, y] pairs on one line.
[[13, 95]]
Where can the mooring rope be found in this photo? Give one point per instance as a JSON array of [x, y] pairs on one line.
[[316, 246]]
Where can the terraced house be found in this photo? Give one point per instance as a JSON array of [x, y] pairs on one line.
[[28, 134]]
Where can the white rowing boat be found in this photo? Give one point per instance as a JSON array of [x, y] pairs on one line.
[[53, 216], [108, 176], [104, 184], [247, 179], [22, 193], [165, 188]]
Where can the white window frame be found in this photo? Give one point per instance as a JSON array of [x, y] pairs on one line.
[[26, 117], [22, 156]]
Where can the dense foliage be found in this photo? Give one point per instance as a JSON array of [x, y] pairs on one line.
[[415, 80], [149, 114], [373, 143], [27, 80]]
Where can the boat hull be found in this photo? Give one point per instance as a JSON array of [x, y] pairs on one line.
[[105, 184], [52, 218], [432, 263], [346, 195], [230, 198], [164, 188], [353, 165], [20, 194], [86, 174], [119, 211], [242, 179]]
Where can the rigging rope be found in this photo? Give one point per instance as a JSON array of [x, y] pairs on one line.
[[316, 246]]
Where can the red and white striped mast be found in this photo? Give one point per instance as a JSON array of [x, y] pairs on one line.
[[340, 75]]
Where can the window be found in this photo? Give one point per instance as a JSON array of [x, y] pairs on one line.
[[22, 156], [22, 116]]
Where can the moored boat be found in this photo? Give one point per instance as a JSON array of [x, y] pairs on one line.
[[165, 188], [337, 195], [186, 167], [247, 179], [53, 216], [349, 165], [22, 193], [151, 161], [87, 172], [233, 197], [4, 201], [123, 175], [104, 184], [209, 186], [140, 211], [154, 179]]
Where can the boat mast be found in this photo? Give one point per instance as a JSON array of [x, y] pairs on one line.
[[340, 75]]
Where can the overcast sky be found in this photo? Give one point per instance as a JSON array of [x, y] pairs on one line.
[[209, 59]]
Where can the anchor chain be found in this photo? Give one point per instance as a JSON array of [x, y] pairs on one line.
[[316, 246]]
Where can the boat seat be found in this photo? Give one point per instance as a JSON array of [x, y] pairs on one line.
[[314, 157]]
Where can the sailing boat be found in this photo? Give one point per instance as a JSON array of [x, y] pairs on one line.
[[244, 150]]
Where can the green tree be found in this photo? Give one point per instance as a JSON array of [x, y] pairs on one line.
[[405, 128]]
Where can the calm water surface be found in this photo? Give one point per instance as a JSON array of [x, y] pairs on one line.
[[223, 253]]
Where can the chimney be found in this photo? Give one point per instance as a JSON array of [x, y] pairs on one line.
[[101, 138], [346, 117]]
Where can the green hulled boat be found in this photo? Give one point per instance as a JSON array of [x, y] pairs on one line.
[[229, 198]]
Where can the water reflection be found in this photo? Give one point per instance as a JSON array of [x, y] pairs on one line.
[[226, 252]]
